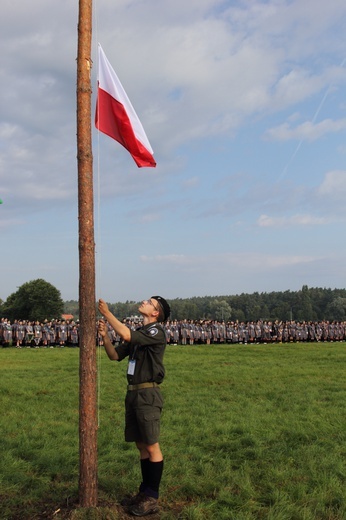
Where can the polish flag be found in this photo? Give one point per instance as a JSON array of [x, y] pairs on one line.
[[116, 117]]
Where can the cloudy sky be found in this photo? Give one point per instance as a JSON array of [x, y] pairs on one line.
[[244, 105]]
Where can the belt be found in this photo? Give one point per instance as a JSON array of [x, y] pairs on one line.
[[142, 385]]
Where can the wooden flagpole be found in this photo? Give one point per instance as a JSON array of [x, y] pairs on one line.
[[87, 363]]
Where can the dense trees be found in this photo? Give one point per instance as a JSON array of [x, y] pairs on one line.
[[35, 300], [308, 304]]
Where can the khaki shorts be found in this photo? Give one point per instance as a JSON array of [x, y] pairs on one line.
[[142, 415]]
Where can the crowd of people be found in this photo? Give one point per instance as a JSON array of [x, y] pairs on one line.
[[25, 333], [61, 333]]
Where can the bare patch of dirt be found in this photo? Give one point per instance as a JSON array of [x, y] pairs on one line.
[[105, 511]]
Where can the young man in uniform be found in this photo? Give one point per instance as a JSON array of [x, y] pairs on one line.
[[144, 348]]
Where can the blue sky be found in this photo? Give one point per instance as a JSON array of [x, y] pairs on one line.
[[244, 105]]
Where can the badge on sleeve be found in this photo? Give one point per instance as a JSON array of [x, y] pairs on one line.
[[153, 331]]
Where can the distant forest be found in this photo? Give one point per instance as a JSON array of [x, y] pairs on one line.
[[308, 304]]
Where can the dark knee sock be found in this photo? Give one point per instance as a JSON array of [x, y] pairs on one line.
[[145, 465], [153, 478]]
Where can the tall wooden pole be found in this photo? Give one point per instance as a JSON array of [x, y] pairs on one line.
[[87, 298]]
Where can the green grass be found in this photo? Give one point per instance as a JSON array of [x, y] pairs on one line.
[[248, 432]]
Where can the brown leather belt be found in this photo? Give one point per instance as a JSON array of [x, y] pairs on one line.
[[142, 385]]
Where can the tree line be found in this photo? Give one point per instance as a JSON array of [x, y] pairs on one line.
[[39, 300], [307, 304]]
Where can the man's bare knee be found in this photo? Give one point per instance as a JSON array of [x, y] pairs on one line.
[[154, 451]]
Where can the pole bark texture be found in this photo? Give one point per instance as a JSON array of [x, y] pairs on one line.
[[87, 363]]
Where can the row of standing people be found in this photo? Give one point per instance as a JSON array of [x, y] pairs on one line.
[[190, 332], [25, 333], [185, 332]]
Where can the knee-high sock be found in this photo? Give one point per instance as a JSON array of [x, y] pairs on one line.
[[153, 478], [145, 465]]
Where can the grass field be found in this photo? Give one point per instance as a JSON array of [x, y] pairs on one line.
[[248, 432]]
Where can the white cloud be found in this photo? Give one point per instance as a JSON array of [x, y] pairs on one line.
[[263, 262], [307, 131], [176, 259], [10, 223], [230, 260], [334, 185], [295, 86], [146, 218], [294, 220]]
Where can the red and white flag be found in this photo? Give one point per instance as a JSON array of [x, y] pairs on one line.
[[116, 117]]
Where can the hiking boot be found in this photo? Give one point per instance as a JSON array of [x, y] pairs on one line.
[[144, 506], [131, 500]]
